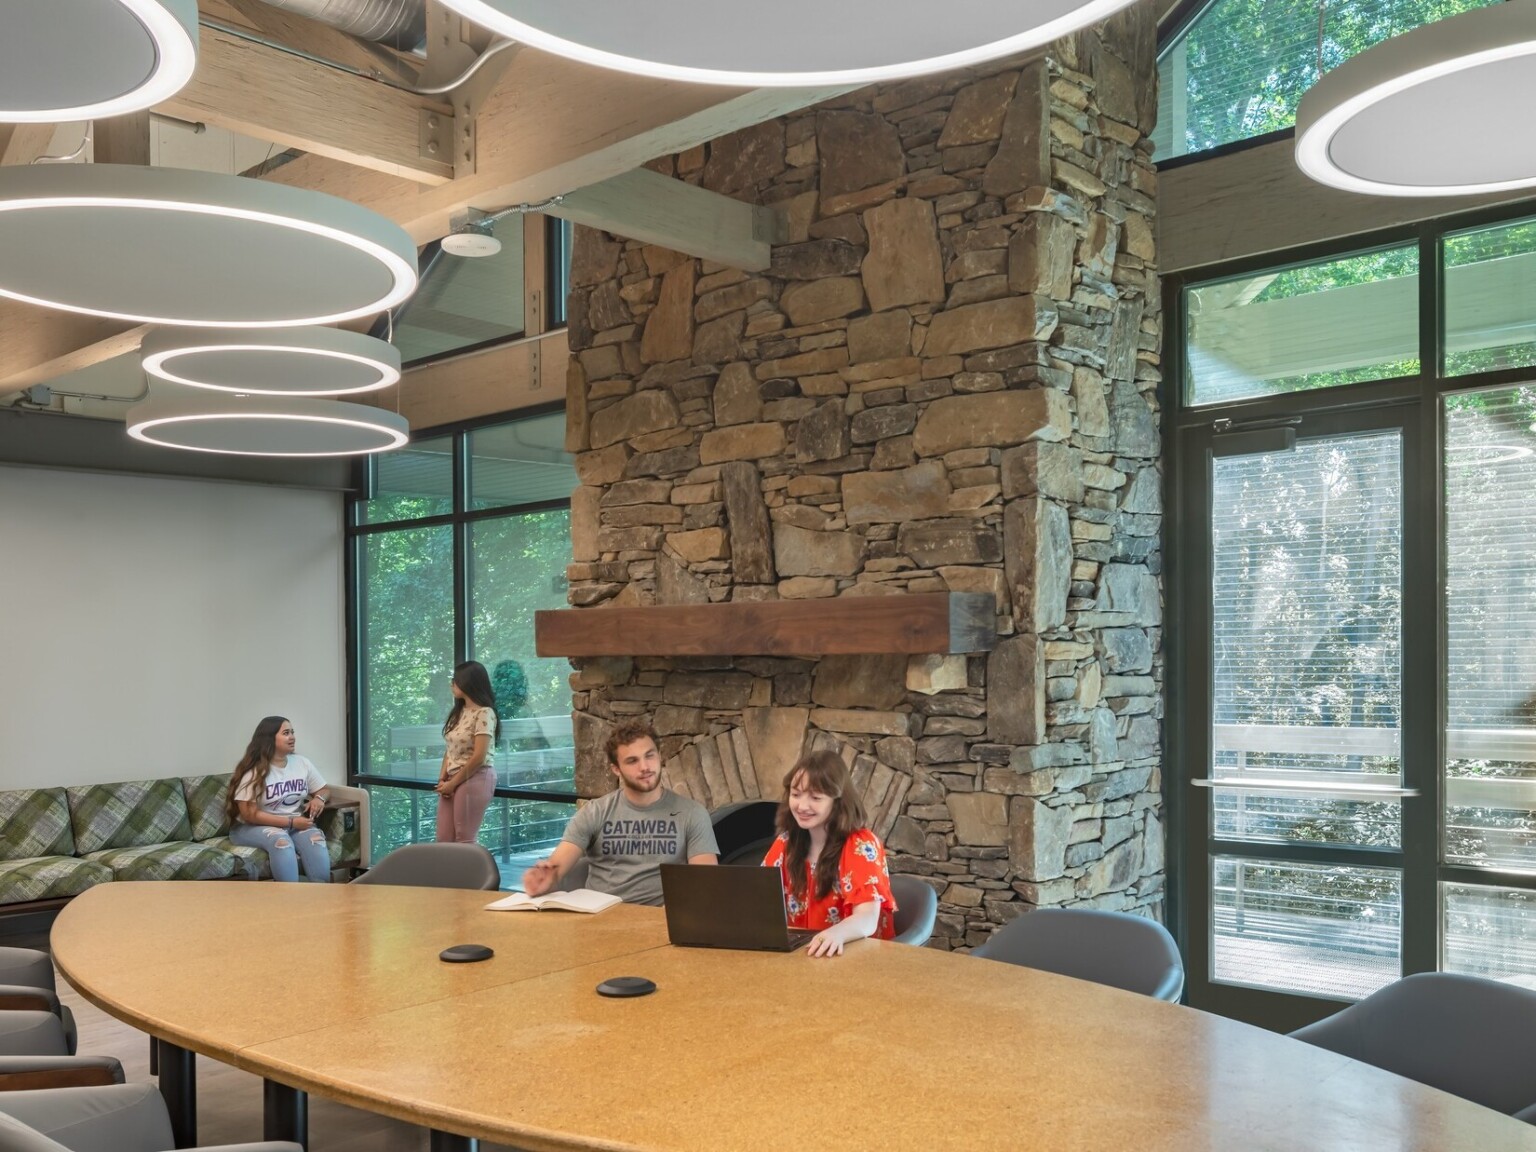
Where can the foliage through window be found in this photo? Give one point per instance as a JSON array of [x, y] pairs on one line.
[[1341, 838], [1242, 66], [466, 537], [1298, 329]]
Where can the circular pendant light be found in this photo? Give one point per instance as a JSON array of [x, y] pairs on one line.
[[178, 247], [274, 361], [230, 425], [796, 43], [64, 60], [1442, 110]]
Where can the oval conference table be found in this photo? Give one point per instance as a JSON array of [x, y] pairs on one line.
[[887, 1046]]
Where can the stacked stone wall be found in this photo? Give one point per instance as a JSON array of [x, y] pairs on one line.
[[946, 380]]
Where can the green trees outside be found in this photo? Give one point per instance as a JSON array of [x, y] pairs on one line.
[[406, 582], [1246, 64]]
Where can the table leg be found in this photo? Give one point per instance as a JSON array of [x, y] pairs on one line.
[[285, 1113], [449, 1142], [178, 1084]]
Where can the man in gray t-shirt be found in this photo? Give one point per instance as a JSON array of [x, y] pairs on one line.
[[626, 835]]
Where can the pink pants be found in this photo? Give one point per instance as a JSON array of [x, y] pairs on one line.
[[459, 816]]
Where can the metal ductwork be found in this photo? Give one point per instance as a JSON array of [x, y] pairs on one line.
[[401, 24]]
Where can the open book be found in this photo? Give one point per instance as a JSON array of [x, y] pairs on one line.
[[581, 900]]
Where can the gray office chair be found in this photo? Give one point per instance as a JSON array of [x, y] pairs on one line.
[[575, 877], [117, 1118], [916, 906], [436, 866], [1113, 948], [27, 983], [1471, 1037], [27, 1073]]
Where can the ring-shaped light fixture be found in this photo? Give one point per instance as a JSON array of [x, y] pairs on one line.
[[227, 425], [64, 60], [852, 42], [1443, 110], [197, 249], [273, 361]]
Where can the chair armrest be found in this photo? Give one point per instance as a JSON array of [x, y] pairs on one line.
[[263, 1146], [23, 1073], [345, 794], [24, 998]]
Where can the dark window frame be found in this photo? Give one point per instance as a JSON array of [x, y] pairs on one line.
[[460, 520], [1423, 688]]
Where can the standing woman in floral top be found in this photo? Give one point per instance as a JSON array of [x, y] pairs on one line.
[[467, 778], [836, 882]]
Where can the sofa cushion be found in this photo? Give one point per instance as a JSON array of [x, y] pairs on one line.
[[134, 813], [205, 804], [48, 878], [34, 822], [176, 861], [254, 863]]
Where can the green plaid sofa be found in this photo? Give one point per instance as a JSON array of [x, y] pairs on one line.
[[57, 842]]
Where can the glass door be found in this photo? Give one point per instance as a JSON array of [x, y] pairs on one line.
[[1301, 792]]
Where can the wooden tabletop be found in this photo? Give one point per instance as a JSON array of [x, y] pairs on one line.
[[338, 990]]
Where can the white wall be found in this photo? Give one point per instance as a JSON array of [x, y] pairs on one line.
[[146, 625]]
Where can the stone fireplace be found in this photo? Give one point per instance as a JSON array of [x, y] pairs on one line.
[[945, 382]]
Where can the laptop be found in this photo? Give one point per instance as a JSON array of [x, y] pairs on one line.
[[727, 906]]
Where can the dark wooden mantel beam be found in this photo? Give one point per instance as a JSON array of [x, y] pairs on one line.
[[925, 622]]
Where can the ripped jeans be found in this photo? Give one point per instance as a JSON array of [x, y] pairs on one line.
[[279, 845]]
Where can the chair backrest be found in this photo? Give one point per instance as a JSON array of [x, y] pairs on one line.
[[1471, 1037], [436, 866], [575, 877], [1113, 948], [916, 906], [744, 831], [27, 967], [17, 1137]]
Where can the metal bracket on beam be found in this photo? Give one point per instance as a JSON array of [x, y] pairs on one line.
[[456, 48], [435, 136]]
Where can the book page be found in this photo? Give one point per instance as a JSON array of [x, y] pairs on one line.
[[516, 902], [581, 900]]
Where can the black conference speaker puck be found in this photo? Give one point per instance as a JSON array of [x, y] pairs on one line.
[[626, 986], [465, 953]]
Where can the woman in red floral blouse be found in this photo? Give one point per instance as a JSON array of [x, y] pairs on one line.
[[836, 882]]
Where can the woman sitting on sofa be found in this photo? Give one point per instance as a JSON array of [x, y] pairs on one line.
[[274, 797]]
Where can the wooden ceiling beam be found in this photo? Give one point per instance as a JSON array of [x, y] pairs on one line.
[[24, 143], [655, 209], [271, 94], [552, 126]]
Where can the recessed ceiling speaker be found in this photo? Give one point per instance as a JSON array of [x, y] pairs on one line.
[[795, 43], [63, 60], [472, 242]]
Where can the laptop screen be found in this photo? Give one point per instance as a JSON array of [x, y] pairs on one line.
[[725, 906]]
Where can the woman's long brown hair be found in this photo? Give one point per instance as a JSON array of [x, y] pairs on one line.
[[255, 762], [474, 682], [822, 772]]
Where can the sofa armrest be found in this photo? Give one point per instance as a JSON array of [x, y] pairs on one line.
[[345, 794], [21, 997], [24, 1073]]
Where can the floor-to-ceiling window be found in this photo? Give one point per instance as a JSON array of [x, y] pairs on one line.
[[1352, 638], [463, 537]]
